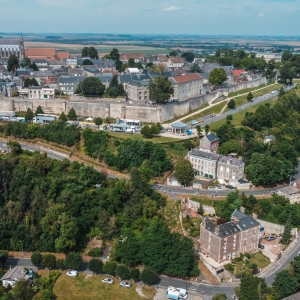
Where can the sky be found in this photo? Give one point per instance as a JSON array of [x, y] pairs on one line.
[[203, 17]]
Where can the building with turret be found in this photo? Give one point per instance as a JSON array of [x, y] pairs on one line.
[[9, 46]]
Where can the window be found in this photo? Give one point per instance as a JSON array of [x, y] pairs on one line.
[[245, 234], [245, 242], [254, 231]]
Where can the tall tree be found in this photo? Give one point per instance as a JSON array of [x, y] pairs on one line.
[[95, 265], [87, 62], [184, 171], [148, 276], [249, 287], [90, 86], [85, 52], [12, 63], [110, 267], [98, 121], [114, 54], [48, 260], [22, 291], [29, 115], [131, 63], [122, 272], [173, 53], [285, 285], [206, 128], [231, 104], [188, 56], [135, 274], [249, 97], [286, 237], [93, 53], [39, 111], [63, 117], [160, 89], [195, 68], [72, 114], [217, 76], [36, 258], [73, 260]]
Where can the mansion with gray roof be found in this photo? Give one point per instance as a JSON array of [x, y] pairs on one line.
[[207, 163], [226, 241]]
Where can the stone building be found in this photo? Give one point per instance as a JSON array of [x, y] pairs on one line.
[[230, 170], [138, 90], [209, 143], [12, 46], [226, 241], [38, 92], [204, 163]]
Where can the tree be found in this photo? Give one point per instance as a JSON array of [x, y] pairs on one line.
[[39, 111], [123, 272], [29, 115], [22, 291], [148, 276], [287, 55], [195, 68], [93, 53], [131, 63], [87, 62], [249, 97], [154, 129], [285, 284], [173, 53], [12, 63], [201, 210], [199, 130], [33, 66], [286, 237], [98, 121], [14, 147], [229, 118], [73, 260], [160, 89], [287, 72], [63, 117], [188, 56], [72, 114], [85, 52], [90, 86], [184, 171], [231, 104], [48, 260], [119, 65], [114, 54], [30, 82], [146, 131], [206, 129], [60, 263], [252, 287], [135, 274], [217, 76], [110, 267], [36, 258], [219, 297], [95, 265], [26, 62]]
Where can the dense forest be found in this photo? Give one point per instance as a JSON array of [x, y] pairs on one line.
[[50, 205], [266, 163]]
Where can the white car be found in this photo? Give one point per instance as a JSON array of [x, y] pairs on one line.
[[130, 130], [107, 280], [72, 273], [125, 284]]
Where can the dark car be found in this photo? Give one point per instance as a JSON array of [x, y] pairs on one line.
[[271, 238], [261, 246], [229, 186]]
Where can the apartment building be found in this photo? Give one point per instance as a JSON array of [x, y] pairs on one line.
[[38, 92], [226, 241]]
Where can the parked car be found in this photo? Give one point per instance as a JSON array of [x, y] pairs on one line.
[[107, 280], [271, 238], [72, 273], [228, 186], [194, 122], [130, 130], [261, 246], [218, 187], [125, 284]]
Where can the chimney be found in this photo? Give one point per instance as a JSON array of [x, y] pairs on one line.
[[254, 216], [242, 209]]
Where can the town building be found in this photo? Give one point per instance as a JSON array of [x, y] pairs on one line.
[[13, 275], [187, 86], [138, 90], [137, 57], [239, 75], [46, 53], [204, 163], [226, 241], [291, 192], [12, 46], [230, 170], [68, 84], [38, 92], [268, 56], [209, 143], [175, 62], [179, 128]]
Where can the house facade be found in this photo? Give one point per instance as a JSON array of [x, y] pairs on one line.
[[226, 241], [38, 92], [209, 143], [204, 163], [175, 62], [138, 90], [68, 84], [187, 86], [230, 170]]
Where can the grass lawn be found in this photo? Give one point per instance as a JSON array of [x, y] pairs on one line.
[[239, 116], [85, 287], [214, 109], [187, 114], [249, 90]]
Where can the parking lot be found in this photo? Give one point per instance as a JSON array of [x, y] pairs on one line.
[[272, 248]]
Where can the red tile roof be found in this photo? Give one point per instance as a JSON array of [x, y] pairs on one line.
[[177, 59], [187, 77], [237, 73]]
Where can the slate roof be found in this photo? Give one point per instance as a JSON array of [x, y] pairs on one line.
[[225, 230], [245, 222], [140, 82], [203, 154], [242, 181], [40, 61], [212, 137], [8, 42], [15, 274], [22, 72], [233, 161], [71, 79], [293, 297]]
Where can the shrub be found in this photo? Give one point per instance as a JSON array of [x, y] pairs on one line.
[[229, 268], [95, 252], [248, 255], [135, 274]]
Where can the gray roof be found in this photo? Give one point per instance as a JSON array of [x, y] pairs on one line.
[[14, 274], [225, 230], [41, 73], [212, 137], [12, 41], [40, 61], [71, 79], [245, 222], [203, 154], [22, 72], [293, 297], [140, 82], [105, 78], [242, 181], [92, 70], [179, 125], [232, 160]]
